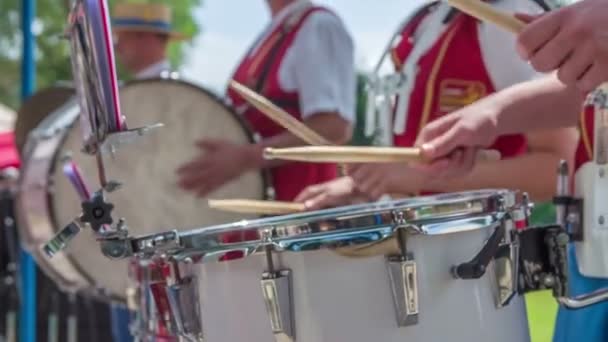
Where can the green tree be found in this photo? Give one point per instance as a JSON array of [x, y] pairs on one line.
[[53, 54]]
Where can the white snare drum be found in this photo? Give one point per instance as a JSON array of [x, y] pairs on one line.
[[149, 200], [316, 294]]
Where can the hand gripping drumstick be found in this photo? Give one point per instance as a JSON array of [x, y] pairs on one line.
[[291, 124], [474, 8], [361, 154], [481, 11], [487, 13]]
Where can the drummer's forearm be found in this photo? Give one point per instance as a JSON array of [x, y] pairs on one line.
[[538, 104], [534, 173]]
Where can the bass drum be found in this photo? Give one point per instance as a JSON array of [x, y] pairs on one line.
[[36, 108], [149, 199]]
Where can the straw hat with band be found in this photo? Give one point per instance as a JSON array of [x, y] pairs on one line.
[[141, 17]]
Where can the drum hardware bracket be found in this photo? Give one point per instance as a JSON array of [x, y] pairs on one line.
[[61, 240], [115, 140], [506, 271], [573, 215], [404, 287], [97, 212], [116, 248], [277, 293], [403, 276], [557, 245], [477, 267], [527, 206], [157, 243], [183, 296], [547, 267]]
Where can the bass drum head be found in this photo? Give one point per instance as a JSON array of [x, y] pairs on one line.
[[149, 198], [36, 108]]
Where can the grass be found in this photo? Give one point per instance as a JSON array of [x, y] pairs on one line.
[[542, 309], [541, 306]]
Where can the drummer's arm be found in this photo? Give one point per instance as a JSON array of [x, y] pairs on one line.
[[527, 107], [533, 172]]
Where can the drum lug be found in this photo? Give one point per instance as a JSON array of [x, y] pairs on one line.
[[404, 285], [277, 294], [184, 302], [276, 289], [506, 271]]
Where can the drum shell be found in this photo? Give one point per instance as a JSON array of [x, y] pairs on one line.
[[349, 299], [346, 294]]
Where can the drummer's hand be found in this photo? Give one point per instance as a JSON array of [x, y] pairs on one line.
[[572, 40], [451, 142], [329, 194], [376, 180], [218, 163]]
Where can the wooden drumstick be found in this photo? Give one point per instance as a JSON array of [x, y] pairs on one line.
[[359, 154], [485, 12], [246, 206], [278, 115]]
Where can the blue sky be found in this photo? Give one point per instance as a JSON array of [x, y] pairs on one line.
[[227, 33]]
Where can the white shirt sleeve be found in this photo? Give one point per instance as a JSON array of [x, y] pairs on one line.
[[504, 65], [320, 66]]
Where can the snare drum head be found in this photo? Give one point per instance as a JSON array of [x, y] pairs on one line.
[[149, 199], [36, 108]]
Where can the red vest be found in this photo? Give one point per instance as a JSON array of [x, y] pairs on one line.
[[9, 157], [260, 72], [451, 75], [584, 151]]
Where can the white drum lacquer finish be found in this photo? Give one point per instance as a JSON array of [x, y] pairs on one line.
[[349, 299], [338, 298]]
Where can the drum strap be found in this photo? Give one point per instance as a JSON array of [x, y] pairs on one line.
[[286, 28]]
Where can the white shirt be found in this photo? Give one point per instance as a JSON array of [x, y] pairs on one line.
[[320, 63], [503, 64], [154, 70]]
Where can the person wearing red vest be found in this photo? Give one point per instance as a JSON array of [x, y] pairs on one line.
[[572, 40], [304, 63], [451, 60]]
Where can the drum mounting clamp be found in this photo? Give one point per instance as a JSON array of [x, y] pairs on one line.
[[277, 294], [403, 276]]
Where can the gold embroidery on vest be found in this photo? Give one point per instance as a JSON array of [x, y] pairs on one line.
[[455, 94], [261, 55], [585, 135], [430, 84]]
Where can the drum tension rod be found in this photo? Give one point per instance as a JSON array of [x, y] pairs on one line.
[[277, 294], [476, 268], [403, 276]]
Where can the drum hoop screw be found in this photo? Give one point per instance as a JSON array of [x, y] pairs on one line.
[[602, 173], [601, 220]]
